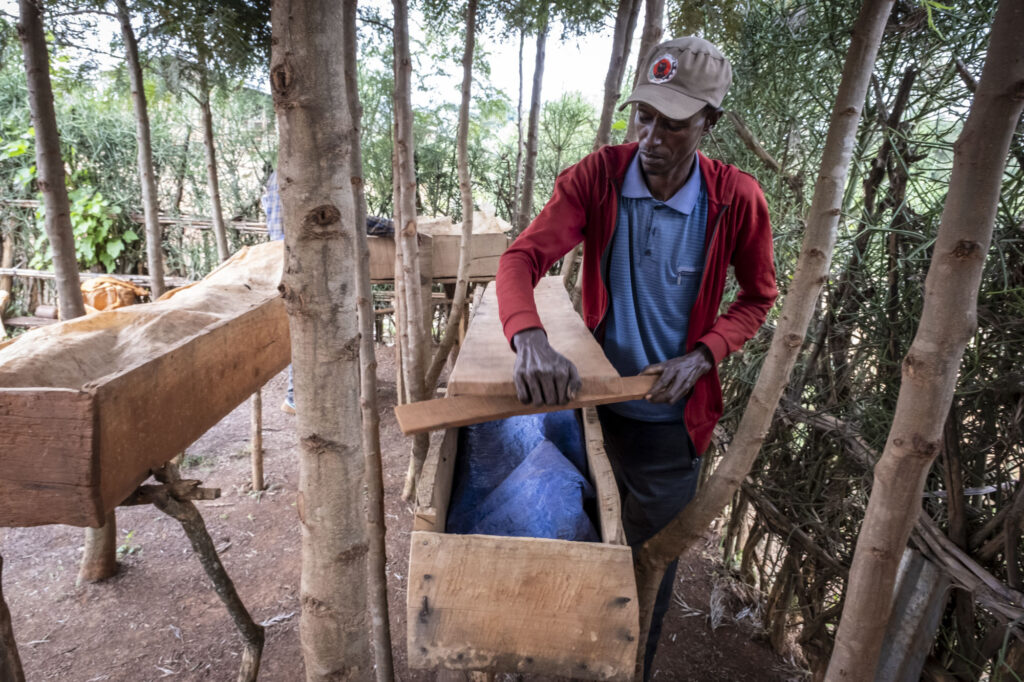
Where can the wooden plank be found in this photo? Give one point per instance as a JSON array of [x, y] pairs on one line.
[[486, 361], [444, 413], [526, 605], [435, 488], [609, 510], [149, 413], [47, 469]]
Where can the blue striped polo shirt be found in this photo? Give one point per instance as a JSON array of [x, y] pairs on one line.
[[650, 299]]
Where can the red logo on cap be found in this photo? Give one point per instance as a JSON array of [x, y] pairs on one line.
[[663, 69]]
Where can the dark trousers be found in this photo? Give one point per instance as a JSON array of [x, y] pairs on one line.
[[657, 470]]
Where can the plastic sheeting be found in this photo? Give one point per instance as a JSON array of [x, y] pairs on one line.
[[523, 477]]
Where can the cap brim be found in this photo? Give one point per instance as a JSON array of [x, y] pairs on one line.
[[668, 102]]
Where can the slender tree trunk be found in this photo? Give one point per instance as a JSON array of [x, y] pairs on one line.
[[625, 24], [654, 17], [147, 175], [530, 162], [100, 559], [6, 261], [256, 439], [569, 266], [414, 353], [179, 193], [451, 331], [10, 662], [377, 597], [48, 160], [517, 181], [317, 133], [931, 366], [811, 273], [212, 181]]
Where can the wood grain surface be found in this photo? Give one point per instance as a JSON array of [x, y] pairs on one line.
[[528, 605], [485, 362]]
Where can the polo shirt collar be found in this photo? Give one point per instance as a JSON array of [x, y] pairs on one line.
[[635, 187]]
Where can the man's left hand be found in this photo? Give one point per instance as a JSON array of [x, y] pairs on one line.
[[678, 375]]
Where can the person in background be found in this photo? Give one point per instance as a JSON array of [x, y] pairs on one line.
[[660, 225], [275, 230]]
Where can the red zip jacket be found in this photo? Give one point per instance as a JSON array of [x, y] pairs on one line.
[[584, 207]]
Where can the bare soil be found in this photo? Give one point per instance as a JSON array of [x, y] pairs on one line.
[[160, 618]]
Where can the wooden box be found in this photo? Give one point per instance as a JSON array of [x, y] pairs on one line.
[[529, 605], [71, 452], [485, 250]]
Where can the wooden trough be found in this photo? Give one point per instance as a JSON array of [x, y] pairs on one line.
[[528, 605], [519, 604], [73, 450]]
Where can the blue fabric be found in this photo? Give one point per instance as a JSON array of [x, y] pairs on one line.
[[668, 262], [272, 207], [542, 498], [522, 477]]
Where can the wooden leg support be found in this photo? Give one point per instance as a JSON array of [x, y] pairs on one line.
[[182, 509], [10, 663], [256, 447]]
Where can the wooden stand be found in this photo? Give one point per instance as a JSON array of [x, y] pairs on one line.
[[256, 445], [174, 498]]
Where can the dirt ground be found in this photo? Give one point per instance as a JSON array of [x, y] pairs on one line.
[[159, 617]]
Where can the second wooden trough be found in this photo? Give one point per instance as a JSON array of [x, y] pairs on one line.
[[89, 406]]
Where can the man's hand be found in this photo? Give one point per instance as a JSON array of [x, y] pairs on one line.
[[542, 375], [678, 375]]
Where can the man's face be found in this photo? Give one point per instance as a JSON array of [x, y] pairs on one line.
[[665, 143]]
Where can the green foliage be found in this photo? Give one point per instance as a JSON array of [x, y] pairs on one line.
[[94, 224]]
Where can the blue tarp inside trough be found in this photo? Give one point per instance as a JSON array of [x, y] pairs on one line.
[[523, 477]]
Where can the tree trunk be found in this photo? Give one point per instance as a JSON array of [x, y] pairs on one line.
[[377, 597], [811, 273], [6, 261], [10, 662], [930, 368], [147, 175], [405, 231], [530, 162], [212, 181], [49, 162], [625, 24], [317, 133], [451, 330], [654, 17], [256, 439], [179, 192], [518, 179], [100, 559]]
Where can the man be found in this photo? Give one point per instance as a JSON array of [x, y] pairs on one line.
[[660, 225]]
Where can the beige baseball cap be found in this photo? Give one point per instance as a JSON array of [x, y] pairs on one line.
[[681, 76]]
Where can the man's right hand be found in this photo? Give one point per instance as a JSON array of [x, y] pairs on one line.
[[542, 375]]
